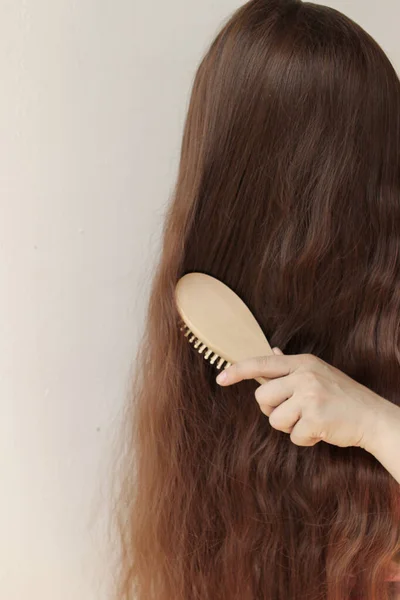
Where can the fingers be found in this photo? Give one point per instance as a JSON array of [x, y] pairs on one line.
[[285, 416], [276, 397], [271, 366], [274, 392], [278, 401], [303, 434]]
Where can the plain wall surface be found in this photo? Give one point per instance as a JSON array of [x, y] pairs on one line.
[[92, 104]]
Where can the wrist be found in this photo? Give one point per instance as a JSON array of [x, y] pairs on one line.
[[382, 419]]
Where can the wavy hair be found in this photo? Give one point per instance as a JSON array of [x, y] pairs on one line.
[[288, 190]]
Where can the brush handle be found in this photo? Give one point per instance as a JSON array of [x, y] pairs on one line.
[[261, 379]]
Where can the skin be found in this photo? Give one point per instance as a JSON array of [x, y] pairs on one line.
[[312, 401]]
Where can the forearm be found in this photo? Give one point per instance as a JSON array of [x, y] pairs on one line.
[[386, 443]]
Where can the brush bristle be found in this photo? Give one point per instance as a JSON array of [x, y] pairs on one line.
[[198, 344]]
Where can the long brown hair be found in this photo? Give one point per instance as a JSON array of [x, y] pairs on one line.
[[288, 191]]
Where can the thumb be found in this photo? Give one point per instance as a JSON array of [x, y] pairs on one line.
[[277, 350]]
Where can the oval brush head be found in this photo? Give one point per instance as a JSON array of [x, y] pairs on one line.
[[217, 322]]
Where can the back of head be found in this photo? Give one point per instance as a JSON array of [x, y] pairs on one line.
[[288, 191]]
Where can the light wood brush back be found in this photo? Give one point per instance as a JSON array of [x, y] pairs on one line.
[[217, 322]]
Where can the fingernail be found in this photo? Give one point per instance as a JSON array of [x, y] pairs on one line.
[[277, 350], [222, 377]]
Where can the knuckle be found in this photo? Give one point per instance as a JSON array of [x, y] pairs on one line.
[[315, 404], [307, 358], [310, 361], [317, 389], [310, 379], [261, 361]]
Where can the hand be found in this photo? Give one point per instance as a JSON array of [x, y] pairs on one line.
[[310, 399]]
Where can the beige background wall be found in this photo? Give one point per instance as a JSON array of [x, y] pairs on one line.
[[92, 102]]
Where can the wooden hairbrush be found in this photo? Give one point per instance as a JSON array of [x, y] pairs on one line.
[[217, 322]]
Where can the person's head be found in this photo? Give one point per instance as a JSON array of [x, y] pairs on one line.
[[289, 192]]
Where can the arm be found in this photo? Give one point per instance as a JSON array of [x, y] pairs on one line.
[[383, 439]]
